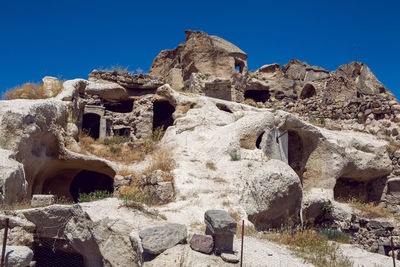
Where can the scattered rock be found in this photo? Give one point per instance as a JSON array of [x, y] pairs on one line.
[[202, 243], [155, 240], [229, 257], [219, 222], [42, 200]]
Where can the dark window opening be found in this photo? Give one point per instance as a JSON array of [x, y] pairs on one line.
[[90, 181], [259, 139], [121, 107], [46, 257], [308, 91], [295, 152], [162, 117], [382, 90], [239, 66], [280, 95], [223, 107], [91, 125], [126, 132], [257, 95]]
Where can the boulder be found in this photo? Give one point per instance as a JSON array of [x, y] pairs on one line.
[[42, 200], [269, 68], [18, 256], [295, 69], [202, 243], [155, 240], [107, 90], [316, 203], [13, 186], [51, 85], [272, 195]]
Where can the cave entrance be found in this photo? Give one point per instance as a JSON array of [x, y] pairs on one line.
[[348, 189], [120, 107], [46, 256], [162, 117], [91, 125], [257, 95], [295, 152], [308, 91], [90, 181]]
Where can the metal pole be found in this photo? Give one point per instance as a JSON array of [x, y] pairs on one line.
[[241, 252], [391, 243], [3, 252]]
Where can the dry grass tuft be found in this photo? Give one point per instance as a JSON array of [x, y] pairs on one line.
[[250, 101], [369, 209], [210, 165], [161, 159], [124, 171], [311, 246], [32, 91]]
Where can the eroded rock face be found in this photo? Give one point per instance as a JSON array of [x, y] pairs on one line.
[[18, 256], [200, 53], [273, 195], [13, 186]]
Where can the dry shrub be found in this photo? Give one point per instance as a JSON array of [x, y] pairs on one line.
[[124, 171], [210, 165], [161, 159], [32, 91], [311, 246], [20, 205], [370, 209], [250, 101]]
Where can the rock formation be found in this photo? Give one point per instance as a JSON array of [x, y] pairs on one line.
[[278, 147]]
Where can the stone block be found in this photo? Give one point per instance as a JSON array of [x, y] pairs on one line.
[[42, 200]]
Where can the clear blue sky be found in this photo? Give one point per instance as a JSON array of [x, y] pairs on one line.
[[70, 38]]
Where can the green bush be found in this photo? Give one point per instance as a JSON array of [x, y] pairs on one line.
[[115, 149], [116, 140], [235, 155], [335, 235], [157, 134], [96, 195]]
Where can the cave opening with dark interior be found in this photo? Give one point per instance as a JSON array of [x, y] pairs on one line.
[[162, 115], [91, 125], [257, 95], [89, 181]]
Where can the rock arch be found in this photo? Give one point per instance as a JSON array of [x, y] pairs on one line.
[[307, 91]]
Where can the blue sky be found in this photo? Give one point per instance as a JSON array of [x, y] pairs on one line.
[[70, 38]]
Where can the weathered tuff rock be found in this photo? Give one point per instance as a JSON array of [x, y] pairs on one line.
[[200, 53], [18, 256], [155, 240], [42, 200], [273, 194], [13, 186]]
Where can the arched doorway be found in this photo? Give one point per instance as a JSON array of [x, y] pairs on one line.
[[91, 125], [257, 95], [308, 91]]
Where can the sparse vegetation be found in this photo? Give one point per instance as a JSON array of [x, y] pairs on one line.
[[32, 91], [311, 246], [92, 196], [210, 165], [369, 209], [235, 155], [335, 235], [250, 101]]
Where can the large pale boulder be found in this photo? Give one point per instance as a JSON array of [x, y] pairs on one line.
[[272, 195], [13, 186]]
